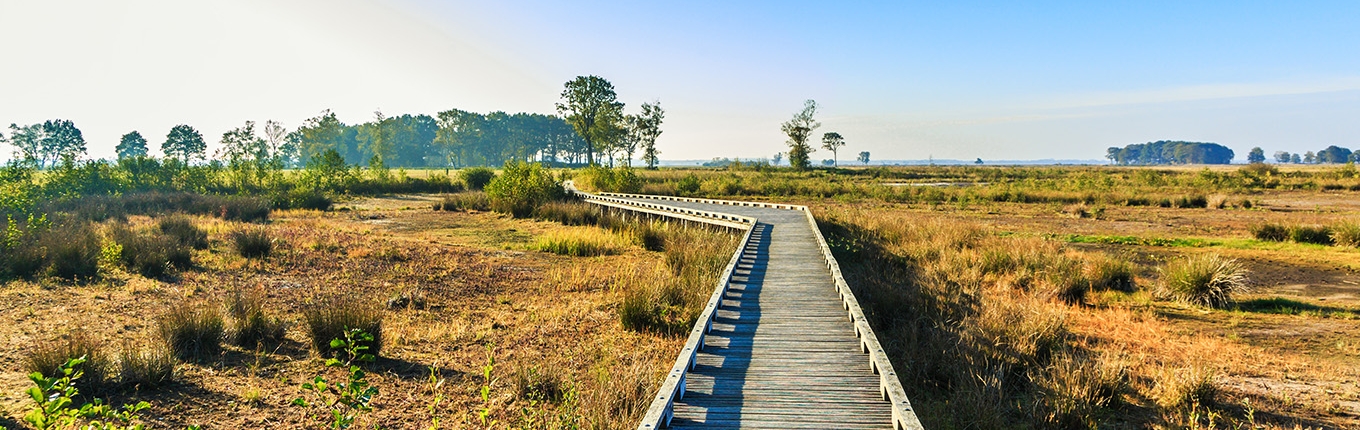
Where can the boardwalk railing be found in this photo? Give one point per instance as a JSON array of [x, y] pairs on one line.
[[660, 412]]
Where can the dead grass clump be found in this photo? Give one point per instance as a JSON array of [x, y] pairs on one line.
[[661, 308], [1076, 389], [330, 320], [1270, 232], [1346, 234], [145, 368], [578, 243], [183, 230], [541, 384], [466, 201], [150, 253], [244, 209], [1110, 273], [1206, 279], [618, 397], [254, 242], [1082, 210], [48, 357], [1218, 201], [73, 251], [1065, 281], [1185, 388], [252, 327], [192, 332]]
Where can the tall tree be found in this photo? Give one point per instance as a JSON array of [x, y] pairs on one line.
[[184, 143], [61, 140], [778, 156], [652, 115], [1309, 158], [799, 129], [590, 105], [241, 145], [864, 157], [833, 142], [1257, 155], [132, 145], [1334, 154], [1282, 157], [27, 140]]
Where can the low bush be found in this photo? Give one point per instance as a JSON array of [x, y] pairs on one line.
[[330, 320], [578, 244], [521, 188], [73, 250], [659, 308], [255, 242], [1270, 232], [687, 185], [465, 201], [1346, 234], [1314, 234], [183, 230], [1197, 201], [252, 327], [192, 332], [1110, 273], [620, 179], [476, 178], [1205, 279], [305, 198], [47, 358], [140, 368], [244, 209], [650, 235], [150, 253]]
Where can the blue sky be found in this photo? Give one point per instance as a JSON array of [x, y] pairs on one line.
[[904, 80]]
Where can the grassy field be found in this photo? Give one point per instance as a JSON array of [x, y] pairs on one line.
[[1027, 297]]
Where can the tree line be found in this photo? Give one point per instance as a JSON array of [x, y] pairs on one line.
[[1170, 152], [1330, 155], [590, 125]]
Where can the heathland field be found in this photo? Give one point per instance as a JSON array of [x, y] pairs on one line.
[[1008, 297]]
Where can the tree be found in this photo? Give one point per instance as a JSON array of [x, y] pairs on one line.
[[832, 141], [1334, 154], [1309, 158], [799, 129], [61, 140], [652, 115], [184, 143], [864, 157], [778, 156], [1257, 155], [27, 140], [1295, 159], [1282, 157], [978, 161], [132, 145], [241, 145], [592, 108]]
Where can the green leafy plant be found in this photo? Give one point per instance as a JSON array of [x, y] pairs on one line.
[[56, 408], [484, 414], [351, 398]]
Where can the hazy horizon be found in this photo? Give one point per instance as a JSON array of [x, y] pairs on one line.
[[903, 81]]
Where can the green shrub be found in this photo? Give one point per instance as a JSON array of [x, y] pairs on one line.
[[688, 185], [1206, 279], [252, 327], [465, 201], [1270, 232], [521, 188], [620, 179], [150, 253], [72, 250], [183, 230], [1346, 234], [253, 242], [192, 333], [1110, 273], [476, 178], [332, 319], [47, 358], [146, 368], [1314, 234], [306, 198]]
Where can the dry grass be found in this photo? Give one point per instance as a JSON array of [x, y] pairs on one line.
[[330, 320], [1207, 280], [580, 243], [252, 327], [193, 332], [143, 368], [253, 242], [48, 357]]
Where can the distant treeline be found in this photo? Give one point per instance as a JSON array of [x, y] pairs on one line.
[[1170, 152], [1329, 155]]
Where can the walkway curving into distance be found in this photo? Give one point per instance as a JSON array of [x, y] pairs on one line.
[[780, 351]]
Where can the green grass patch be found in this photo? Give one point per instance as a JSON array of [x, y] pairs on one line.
[[1136, 240], [1283, 306]]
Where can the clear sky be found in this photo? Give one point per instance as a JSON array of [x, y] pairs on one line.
[[902, 79]]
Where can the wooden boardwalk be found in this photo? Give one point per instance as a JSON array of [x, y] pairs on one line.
[[780, 351]]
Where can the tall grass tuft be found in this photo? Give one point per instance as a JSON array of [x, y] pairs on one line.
[[1314, 234], [252, 327], [465, 201], [48, 357], [330, 320], [150, 253], [145, 367], [254, 242], [73, 251], [182, 228], [569, 212], [1270, 232], [1205, 279], [1110, 273], [541, 384], [192, 332], [1185, 388], [1075, 390], [1346, 234], [579, 244]]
